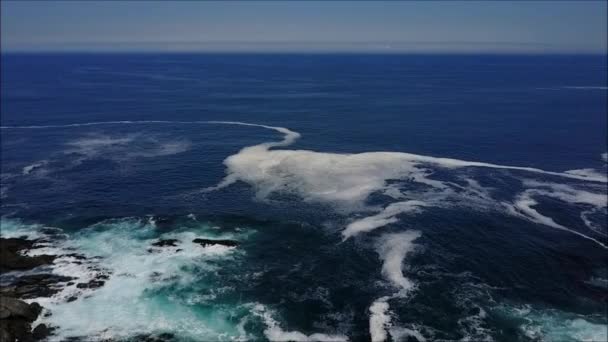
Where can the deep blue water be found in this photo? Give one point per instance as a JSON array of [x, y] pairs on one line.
[[486, 253]]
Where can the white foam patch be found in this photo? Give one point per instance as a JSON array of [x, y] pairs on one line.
[[596, 227], [124, 147], [605, 157], [273, 331], [129, 302], [402, 334], [33, 167], [554, 325], [346, 181], [524, 203], [392, 249], [379, 319], [386, 216], [587, 173]]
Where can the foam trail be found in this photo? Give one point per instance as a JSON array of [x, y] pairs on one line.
[[347, 180], [381, 219], [392, 248], [525, 202], [379, 320], [291, 136]]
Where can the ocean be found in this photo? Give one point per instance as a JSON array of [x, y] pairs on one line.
[[372, 197]]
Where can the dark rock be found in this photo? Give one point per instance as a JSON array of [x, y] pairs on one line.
[[211, 242], [166, 243], [93, 284], [11, 259], [34, 286], [41, 331], [12, 308], [103, 277], [75, 256], [5, 335], [15, 330], [16, 317], [36, 309], [71, 299], [164, 337]]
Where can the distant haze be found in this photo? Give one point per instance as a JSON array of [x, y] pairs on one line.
[[294, 26]]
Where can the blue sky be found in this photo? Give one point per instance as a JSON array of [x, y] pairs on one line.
[[431, 26]]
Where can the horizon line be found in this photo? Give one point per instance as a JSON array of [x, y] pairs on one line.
[[385, 47]]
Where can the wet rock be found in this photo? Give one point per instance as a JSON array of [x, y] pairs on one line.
[[211, 242], [75, 256], [11, 259], [164, 337], [166, 243], [16, 317], [93, 284], [41, 331], [15, 308], [35, 285]]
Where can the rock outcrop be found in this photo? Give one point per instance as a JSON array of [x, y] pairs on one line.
[[16, 317], [11, 259], [211, 242]]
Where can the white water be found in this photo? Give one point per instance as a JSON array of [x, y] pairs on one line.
[[555, 325], [392, 249], [134, 299]]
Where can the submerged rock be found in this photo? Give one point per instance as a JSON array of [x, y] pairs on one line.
[[211, 242], [163, 337], [166, 243], [163, 222]]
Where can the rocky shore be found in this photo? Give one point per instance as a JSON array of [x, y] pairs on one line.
[[17, 316], [27, 274]]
